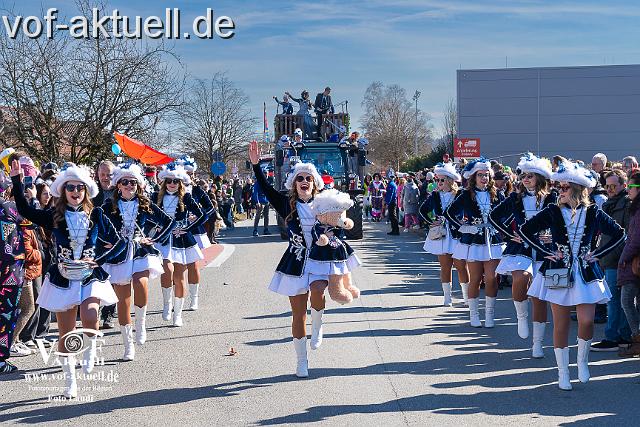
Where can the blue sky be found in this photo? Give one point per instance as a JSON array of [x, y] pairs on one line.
[[418, 44]]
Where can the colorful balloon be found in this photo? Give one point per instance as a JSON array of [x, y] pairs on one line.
[[116, 149]]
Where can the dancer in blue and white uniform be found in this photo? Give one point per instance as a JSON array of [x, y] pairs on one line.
[[141, 223], [442, 238], [179, 248], [521, 261]]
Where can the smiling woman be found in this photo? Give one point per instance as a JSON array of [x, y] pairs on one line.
[[85, 239]]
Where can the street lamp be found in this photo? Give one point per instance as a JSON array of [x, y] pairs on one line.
[[415, 136]]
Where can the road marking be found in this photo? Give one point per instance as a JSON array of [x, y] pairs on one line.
[[227, 251]]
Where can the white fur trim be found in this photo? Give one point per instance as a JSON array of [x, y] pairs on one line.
[[533, 164], [128, 171], [174, 171], [188, 163], [74, 173], [477, 166], [447, 169], [331, 200], [573, 172], [304, 168]]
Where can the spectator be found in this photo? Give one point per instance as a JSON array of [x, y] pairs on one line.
[[410, 204], [391, 203], [262, 208], [617, 331], [599, 162], [629, 163]]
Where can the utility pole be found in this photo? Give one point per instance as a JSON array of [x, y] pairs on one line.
[[415, 136]]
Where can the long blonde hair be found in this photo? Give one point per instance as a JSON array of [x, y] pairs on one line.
[[181, 192], [60, 204], [579, 196], [293, 199]]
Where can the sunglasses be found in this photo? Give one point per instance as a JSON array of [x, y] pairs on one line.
[[527, 176], [172, 180], [301, 178], [71, 188], [441, 179], [633, 185], [127, 182], [482, 175], [564, 188], [611, 186]]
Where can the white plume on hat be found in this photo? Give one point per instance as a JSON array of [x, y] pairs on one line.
[[297, 132], [530, 163], [304, 168], [474, 166], [447, 169], [331, 200], [174, 171], [188, 162], [569, 171], [127, 170], [74, 173]]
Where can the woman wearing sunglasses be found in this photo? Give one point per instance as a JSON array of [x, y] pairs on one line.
[[570, 275], [85, 239], [292, 277], [480, 245], [140, 223], [179, 248], [199, 233], [519, 260], [442, 238]]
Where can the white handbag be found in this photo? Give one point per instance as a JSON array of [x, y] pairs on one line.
[[437, 232], [560, 278]]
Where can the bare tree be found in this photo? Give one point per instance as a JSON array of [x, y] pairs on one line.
[[449, 123], [66, 96], [390, 123], [216, 118]]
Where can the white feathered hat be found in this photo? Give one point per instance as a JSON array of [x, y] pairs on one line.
[[447, 169], [304, 168], [573, 172], [331, 200], [533, 164], [188, 162], [74, 173], [477, 165], [127, 170], [174, 171]]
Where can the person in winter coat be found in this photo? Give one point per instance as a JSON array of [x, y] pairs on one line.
[[627, 281], [410, 203]]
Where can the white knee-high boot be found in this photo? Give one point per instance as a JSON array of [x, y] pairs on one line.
[[193, 293], [446, 290], [302, 367], [316, 328], [474, 315], [562, 360], [177, 311], [522, 313], [127, 340], [489, 311], [89, 356], [465, 292], [166, 303], [584, 347], [69, 370], [141, 324], [537, 351]]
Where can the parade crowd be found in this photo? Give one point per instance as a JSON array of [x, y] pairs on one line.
[[560, 233]]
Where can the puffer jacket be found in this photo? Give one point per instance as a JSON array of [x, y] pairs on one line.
[[33, 256], [631, 250]]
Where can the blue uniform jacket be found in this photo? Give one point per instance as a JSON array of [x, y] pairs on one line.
[[465, 211]]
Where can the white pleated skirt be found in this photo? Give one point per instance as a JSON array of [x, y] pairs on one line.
[[326, 268], [57, 299], [473, 253], [203, 240], [510, 263], [596, 292], [294, 285], [444, 246], [180, 255], [121, 274]]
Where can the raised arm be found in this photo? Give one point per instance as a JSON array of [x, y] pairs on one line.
[[41, 217], [279, 201]]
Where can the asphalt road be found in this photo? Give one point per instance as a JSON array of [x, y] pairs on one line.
[[393, 357]]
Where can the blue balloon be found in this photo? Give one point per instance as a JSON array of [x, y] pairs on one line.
[[116, 149]]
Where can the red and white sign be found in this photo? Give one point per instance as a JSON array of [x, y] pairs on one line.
[[467, 148]]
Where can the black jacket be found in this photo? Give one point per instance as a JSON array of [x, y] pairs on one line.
[[323, 104]]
